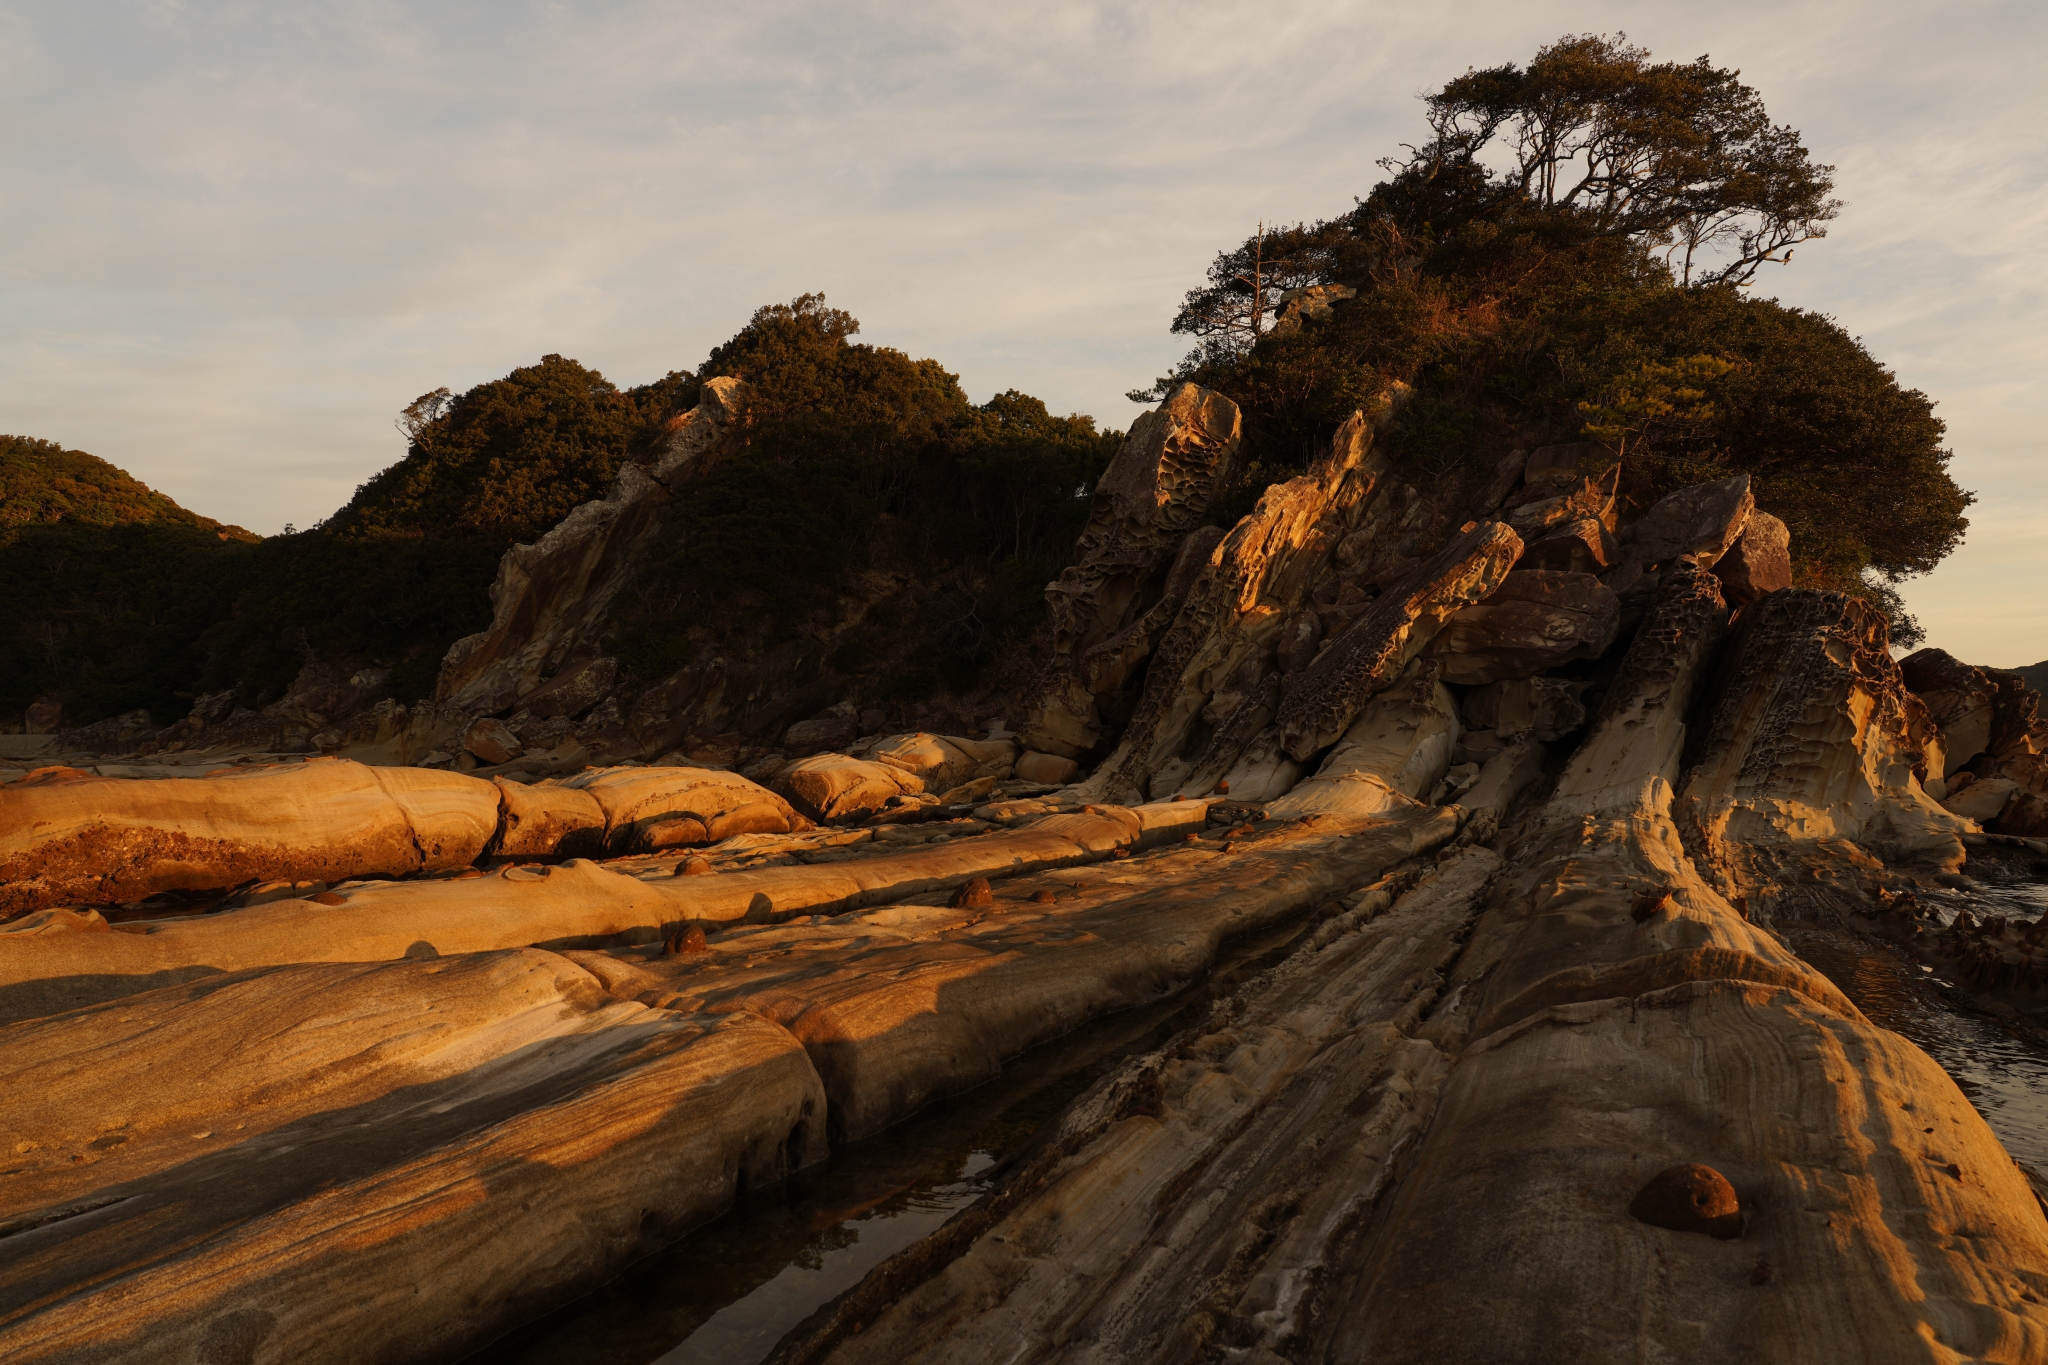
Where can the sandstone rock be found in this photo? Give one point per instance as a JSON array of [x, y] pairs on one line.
[[546, 820], [940, 763], [696, 438], [835, 788], [1961, 701], [573, 691], [829, 731], [1759, 561], [548, 594], [655, 808], [43, 718], [1393, 630], [96, 841], [1110, 607], [1811, 737], [65, 965], [1545, 709], [1258, 577], [469, 1140], [491, 741], [1699, 523], [1582, 546], [1583, 499], [1536, 620], [1983, 801], [1050, 769], [1395, 752]]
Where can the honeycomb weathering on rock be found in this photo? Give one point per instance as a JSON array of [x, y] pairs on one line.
[[1393, 630], [1813, 735]]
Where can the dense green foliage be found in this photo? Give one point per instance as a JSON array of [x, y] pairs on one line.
[[1524, 314], [857, 460], [860, 460], [510, 458], [42, 483]]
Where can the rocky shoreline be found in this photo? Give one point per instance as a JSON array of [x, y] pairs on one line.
[[347, 1058]]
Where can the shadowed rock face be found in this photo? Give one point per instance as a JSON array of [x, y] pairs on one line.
[[1535, 621], [1108, 608], [1396, 628]]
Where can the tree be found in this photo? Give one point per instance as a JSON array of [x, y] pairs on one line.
[[1679, 156]]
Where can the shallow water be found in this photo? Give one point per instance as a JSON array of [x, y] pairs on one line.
[[2005, 1077], [728, 1291]]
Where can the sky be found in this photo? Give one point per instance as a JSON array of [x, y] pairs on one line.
[[237, 238]]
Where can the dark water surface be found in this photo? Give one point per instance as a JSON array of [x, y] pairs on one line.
[[728, 1291], [2005, 1077]]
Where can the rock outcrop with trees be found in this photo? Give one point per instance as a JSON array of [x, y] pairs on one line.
[[1495, 613]]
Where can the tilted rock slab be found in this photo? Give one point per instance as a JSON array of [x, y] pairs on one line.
[[367, 1162], [1390, 759], [1814, 736], [66, 961], [899, 1006], [1700, 523], [835, 787], [1624, 1018], [1197, 1198], [67, 838], [1535, 621], [547, 594], [1154, 494], [1371, 654], [1257, 579]]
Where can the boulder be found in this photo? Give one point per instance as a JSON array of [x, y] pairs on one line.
[[1698, 523], [1962, 703], [655, 808], [44, 718], [1584, 498], [1536, 620], [1050, 769], [834, 788], [943, 762], [70, 838], [1983, 801], [1759, 561], [547, 820], [492, 742], [1582, 546], [573, 691], [1396, 628], [1544, 709], [829, 731]]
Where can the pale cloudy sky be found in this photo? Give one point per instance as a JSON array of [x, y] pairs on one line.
[[238, 237]]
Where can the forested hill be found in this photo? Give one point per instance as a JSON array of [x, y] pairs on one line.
[[860, 461], [42, 483]]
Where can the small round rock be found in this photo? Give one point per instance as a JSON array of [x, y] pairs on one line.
[[974, 895], [1690, 1198], [694, 867]]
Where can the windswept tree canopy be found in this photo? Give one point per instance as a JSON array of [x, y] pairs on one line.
[[1682, 157]]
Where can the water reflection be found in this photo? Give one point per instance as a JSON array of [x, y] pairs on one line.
[[731, 1289]]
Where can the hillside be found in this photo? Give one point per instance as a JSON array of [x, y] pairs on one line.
[[42, 483]]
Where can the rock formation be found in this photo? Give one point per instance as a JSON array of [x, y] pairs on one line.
[[326, 1060]]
